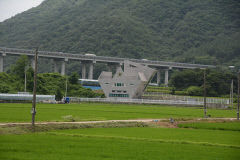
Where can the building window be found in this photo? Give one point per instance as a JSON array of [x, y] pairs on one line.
[[113, 90], [119, 84], [118, 95]]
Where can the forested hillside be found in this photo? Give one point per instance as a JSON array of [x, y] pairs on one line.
[[195, 31]]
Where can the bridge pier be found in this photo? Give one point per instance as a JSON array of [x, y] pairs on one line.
[[119, 66], [90, 73], [112, 67], [166, 77], [83, 70], [63, 66], [55, 66], [1, 61], [32, 59], [158, 76]]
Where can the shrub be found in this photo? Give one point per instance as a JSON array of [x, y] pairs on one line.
[[59, 94], [180, 93], [4, 88], [194, 91]]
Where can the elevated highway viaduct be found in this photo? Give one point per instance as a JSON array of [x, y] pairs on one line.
[[90, 59]]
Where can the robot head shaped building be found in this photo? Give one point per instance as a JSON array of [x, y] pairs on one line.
[[129, 83]]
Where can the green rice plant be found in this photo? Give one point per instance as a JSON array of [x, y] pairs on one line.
[[16, 112], [121, 143], [173, 135], [232, 126]]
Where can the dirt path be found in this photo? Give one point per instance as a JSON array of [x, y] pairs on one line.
[[84, 122], [164, 120]]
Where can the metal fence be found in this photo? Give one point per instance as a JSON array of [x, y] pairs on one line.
[[186, 98], [26, 97], [138, 101]]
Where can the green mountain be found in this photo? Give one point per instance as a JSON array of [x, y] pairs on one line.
[[199, 31]]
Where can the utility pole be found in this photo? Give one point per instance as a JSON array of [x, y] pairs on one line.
[[238, 94], [205, 93], [25, 79], [66, 85], [231, 94], [231, 87], [34, 89]]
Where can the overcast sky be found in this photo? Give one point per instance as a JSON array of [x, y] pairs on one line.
[[9, 8]]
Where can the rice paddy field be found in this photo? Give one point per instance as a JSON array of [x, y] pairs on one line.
[[15, 112], [185, 139]]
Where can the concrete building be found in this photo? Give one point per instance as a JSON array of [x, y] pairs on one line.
[[129, 83]]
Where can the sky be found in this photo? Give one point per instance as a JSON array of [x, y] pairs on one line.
[[9, 8]]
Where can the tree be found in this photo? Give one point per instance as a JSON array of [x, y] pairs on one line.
[[217, 82], [4, 88], [30, 74], [58, 94], [73, 79], [21, 66], [183, 79]]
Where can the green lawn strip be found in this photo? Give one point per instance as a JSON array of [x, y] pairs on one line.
[[99, 111], [228, 138], [59, 147], [232, 126]]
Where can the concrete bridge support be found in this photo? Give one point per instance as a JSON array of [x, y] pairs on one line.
[[158, 76], [32, 59], [166, 77], [83, 71], [112, 67], [118, 66], [90, 73], [1, 61], [55, 65], [63, 66]]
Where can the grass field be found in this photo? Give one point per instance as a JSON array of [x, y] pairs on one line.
[[97, 111], [117, 141]]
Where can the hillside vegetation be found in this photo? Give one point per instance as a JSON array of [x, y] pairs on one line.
[[206, 32]]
